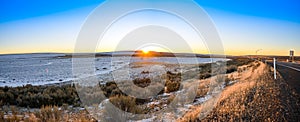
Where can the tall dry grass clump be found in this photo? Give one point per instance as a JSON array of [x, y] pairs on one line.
[[49, 113]]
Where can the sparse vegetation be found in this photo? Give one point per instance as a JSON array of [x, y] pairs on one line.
[[37, 96], [227, 80], [126, 103], [202, 90], [45, 114], [142, 82], [173, 82], [49, 113], [231, 68], [259, 99], [255, 98], [205, 75]]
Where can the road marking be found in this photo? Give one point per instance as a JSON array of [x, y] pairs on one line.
[[289, 67]]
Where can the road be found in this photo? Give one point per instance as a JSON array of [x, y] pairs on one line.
[[290, 73]]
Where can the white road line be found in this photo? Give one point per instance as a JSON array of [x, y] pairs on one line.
[[289, 67]]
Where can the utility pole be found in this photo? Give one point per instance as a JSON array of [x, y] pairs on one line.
[[257, 52]]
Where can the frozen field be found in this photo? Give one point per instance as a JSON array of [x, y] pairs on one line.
[[41, 69]]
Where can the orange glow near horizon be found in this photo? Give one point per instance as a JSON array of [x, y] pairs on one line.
[[145, 51], [148, 49]]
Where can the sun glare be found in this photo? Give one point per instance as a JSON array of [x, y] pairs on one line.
[[148, 49], [145, 51]]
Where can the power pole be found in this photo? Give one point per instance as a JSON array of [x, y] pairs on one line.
[[257, 52]]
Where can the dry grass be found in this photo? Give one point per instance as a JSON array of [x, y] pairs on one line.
[[45, 114], [256, 97], [126, 103], [202, 90]]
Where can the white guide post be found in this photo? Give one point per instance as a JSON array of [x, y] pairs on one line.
[[274, 68]]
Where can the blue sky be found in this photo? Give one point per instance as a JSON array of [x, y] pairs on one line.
[[287, 10], [245, 25], [12, 10]]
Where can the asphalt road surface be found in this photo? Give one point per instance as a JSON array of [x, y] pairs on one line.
[[290, 73]]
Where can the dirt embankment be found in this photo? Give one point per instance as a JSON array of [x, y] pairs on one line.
[[255, 97]]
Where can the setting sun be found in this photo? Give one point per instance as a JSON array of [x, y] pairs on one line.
[[154, 48], [145, 51]]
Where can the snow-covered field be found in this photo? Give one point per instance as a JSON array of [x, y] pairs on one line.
[[42, 69]]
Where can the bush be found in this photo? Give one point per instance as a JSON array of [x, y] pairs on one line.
[[142, 82], [125, 103], [231, 68], [172, 86], [37, 96], [205, 75], [239, 62], [228, 80], [202, 90], [173, 81]]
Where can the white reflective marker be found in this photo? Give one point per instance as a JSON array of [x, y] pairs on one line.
[[274, 68]]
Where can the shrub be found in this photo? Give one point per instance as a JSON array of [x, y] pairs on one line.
[[173, 81], [205, 75], [37, 96], [172, 86], [231, 68], [227, 80], [202, 91], [125, 103], [144, 82]]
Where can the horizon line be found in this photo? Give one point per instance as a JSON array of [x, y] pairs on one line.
[[136, 50]]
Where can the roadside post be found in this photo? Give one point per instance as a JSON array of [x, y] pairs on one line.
[[274, 68]]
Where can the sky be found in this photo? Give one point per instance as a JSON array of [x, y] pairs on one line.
[[245, 26]]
